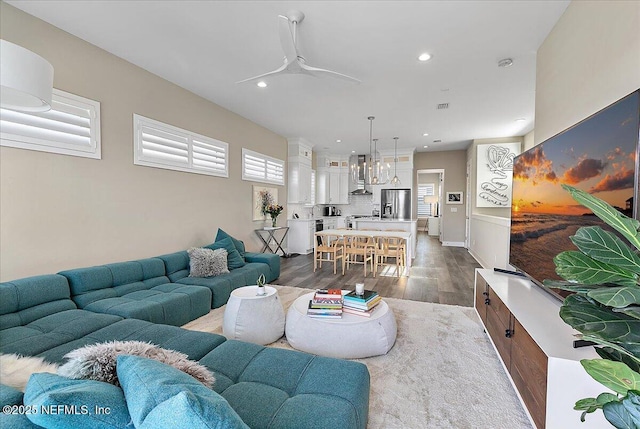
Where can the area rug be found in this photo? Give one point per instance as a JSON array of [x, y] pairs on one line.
[[442, 371]]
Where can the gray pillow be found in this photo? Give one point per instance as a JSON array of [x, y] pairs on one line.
[[206, 262], [98, 361]]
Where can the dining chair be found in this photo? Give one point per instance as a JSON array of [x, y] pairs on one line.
[[356, 246], [330, 246], [390, 247]]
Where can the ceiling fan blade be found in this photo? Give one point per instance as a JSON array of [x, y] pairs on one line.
[[280, 69], [286, 39], [318, 71]]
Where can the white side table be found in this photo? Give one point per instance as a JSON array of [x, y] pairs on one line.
[[254, 318]]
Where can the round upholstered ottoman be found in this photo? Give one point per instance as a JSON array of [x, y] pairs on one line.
[[351, 337], [254, 318]]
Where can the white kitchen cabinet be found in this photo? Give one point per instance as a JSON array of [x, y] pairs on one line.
[[322, 185], [334, 187], [329, 223], [299, 173], [341, 222], [300, 237], [343, 194]]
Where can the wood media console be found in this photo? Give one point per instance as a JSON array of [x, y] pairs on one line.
[[535, 347]]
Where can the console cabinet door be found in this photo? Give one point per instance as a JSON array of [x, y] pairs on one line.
[[529, 373], [481, 289], [499, 323]]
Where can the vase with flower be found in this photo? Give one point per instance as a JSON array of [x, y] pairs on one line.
[[274, 211]]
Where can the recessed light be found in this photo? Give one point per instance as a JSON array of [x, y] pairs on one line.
[[424, 57], [425, 134], [425, 146], [338, 141], [520, 120], [353, 151], [262, 84]]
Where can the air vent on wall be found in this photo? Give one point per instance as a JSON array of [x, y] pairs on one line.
[[442, 106], [437, 141]]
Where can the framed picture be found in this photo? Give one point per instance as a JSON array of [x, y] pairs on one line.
[[263, 195], [454, 197]]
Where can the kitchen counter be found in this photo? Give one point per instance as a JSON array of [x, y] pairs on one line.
[[387, 224]]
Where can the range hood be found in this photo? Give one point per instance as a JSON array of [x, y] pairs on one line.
[[360, 188]]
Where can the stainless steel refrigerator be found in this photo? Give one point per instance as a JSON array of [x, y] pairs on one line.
[[395, 204]]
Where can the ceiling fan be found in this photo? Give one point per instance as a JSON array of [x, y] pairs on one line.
[[293, 61]]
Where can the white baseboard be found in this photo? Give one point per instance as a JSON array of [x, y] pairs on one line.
[[453, 243]]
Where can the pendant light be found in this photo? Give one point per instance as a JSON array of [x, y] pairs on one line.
[[26, 79], [396, 180]]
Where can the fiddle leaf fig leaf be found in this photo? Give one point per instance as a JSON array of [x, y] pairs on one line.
[[632, 405], [617, 297], [601, 323], [614, 354], [570, 286], [626, 226], [618, 416], [578, 267], [605, 246], [633, 311], [615, 375]]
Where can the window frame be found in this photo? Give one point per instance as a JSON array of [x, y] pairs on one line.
[[421, 203], [140, 122], [63, 102], [266, 158]]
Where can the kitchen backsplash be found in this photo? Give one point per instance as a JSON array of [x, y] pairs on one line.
[[358, 204]]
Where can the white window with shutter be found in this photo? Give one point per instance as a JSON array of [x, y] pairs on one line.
[[70, 127], [164, 146], [257, 167], [424, 190]]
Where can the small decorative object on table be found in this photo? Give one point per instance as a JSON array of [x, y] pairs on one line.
[[260, 282], [359, 288], [274, 211]]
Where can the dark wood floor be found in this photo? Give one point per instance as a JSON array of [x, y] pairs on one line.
[[439, 274]]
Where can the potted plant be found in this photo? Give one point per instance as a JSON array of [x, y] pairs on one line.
[[605, 307], [274, 211], [260, 282]]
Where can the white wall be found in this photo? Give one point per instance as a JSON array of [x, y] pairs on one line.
[[59, 212], [590, 59]]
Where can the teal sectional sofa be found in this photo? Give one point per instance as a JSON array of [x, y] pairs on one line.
[[266, 387], [159, 289]]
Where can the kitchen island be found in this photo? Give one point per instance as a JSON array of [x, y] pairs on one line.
[[388, 224]]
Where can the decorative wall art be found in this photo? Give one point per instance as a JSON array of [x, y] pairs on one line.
[[454, 198], [262, 197], [495, 174]]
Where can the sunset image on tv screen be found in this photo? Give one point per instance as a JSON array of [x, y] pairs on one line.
[[598, 156]]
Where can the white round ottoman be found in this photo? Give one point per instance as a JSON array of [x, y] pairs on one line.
[[254, 318], [351, 337]]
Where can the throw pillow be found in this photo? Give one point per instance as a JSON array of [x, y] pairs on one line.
[[204, 262], [15, 370], [234, 260], [159, 396], [75, 403], [239, 245], [98, 361]]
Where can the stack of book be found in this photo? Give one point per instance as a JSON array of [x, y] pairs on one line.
[[362, 305], [326, 303]]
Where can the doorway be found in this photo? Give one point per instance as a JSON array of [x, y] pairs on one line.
[[430, 185]]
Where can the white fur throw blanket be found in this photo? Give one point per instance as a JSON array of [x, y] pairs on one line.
[[15, 370], [98, 361]]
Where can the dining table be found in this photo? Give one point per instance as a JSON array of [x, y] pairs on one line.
[[371, 234]]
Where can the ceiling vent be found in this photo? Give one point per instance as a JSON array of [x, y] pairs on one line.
[[442, 106], [437, 141]]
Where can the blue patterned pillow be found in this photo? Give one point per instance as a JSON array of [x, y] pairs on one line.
[[234, 260], [160, 396]]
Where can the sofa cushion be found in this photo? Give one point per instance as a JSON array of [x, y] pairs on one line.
[[84, 403], [273, 261], [157, 393], [194, 344], [239, 245], [25, 300], [176, 265], [53, 330], [220, 286], [288, 388], [253, 270], [234, 260]]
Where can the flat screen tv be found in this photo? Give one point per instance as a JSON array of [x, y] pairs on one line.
[[598, 155]]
